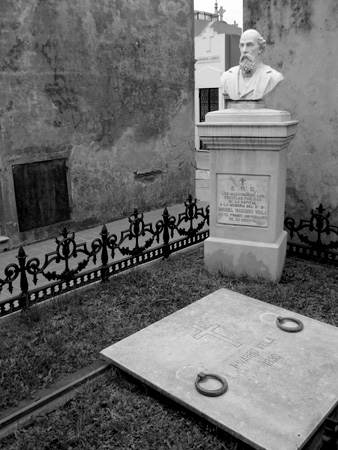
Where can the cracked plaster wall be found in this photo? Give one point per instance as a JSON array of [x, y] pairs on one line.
[[301, 37], [107, 84]]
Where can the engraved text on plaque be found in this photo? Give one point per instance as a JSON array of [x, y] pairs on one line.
[[242, 199]]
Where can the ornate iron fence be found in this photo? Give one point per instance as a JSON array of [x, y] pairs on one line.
[[315, 239], [170, 233]]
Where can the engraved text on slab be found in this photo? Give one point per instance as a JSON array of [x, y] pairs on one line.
[[242, 199]]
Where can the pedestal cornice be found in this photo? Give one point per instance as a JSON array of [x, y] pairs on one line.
[[248, 143], [247, 123]]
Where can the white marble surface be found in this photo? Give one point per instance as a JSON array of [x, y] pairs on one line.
[[281, 385], [247, 144]]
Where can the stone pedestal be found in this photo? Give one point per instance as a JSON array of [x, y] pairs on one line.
[[247, 145]]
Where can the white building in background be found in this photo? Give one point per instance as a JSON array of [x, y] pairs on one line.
[[216, 50]]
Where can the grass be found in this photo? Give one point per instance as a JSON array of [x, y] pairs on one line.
[[42, 345]]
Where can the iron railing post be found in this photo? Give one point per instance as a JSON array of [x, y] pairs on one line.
[[166, 246], [104, 254], [191, 213], [23, 277]]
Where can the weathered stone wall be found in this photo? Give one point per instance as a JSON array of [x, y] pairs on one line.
[[301, 37], [107, 84]]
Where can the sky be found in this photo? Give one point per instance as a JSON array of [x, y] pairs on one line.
[[233, 9]]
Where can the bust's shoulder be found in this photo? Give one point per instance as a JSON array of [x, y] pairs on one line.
[[267, 68], [272, 72]]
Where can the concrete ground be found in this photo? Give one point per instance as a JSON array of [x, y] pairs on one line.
[[40, 249]]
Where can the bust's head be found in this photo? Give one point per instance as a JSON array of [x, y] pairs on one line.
[[251, 46], [256, 79]]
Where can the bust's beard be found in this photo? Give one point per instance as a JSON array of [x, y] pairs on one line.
[[247, 63]]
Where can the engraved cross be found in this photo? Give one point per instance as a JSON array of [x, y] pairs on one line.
[[211, 331]]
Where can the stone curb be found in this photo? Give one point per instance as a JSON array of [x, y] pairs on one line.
[[48, 399]]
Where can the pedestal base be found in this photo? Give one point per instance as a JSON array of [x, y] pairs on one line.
[[256, 259]]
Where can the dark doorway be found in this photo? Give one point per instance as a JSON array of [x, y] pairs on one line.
[[41, 193]]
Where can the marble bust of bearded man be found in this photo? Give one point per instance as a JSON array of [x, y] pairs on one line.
[[252, 79]]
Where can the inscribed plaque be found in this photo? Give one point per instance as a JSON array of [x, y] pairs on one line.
[[242, 199]]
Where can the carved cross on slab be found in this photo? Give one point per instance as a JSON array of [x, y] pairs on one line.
[[211, 331]]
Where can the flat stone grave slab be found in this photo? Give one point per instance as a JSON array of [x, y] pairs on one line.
[[281, 385]]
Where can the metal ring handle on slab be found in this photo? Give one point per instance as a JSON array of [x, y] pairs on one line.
[[202, 377], [280, 325]]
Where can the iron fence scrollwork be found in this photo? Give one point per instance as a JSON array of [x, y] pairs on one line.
[[315, 239], [116, 255]]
